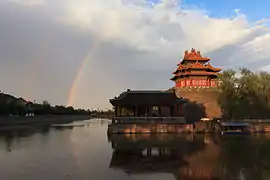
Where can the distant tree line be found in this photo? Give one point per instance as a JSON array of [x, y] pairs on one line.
[[10, 105], [244, 95], [103, 113]]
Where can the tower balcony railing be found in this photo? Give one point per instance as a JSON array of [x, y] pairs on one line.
[[149, 120]]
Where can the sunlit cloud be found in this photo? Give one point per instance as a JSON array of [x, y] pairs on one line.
[[140, 42]]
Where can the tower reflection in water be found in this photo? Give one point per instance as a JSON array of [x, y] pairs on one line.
[[162, 154], [187, 157]]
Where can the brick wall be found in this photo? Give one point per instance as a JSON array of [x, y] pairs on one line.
[[207, 97]]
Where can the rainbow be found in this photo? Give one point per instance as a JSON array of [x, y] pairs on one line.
[[74, 86]]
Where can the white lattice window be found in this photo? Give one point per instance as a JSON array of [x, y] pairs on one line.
[[182, 83], [204, 82]]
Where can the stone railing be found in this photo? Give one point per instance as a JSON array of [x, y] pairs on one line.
[[148, 120], [252, 121]]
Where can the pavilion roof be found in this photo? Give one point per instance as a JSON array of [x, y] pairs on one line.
[[194, 55], [208, 65], [198, 73], [146, 98], [197, 65]]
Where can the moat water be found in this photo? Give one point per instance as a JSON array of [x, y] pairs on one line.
[[83, 151]]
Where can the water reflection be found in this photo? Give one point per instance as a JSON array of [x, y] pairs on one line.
[[13, 137], [83, 150], [155, 153], [192, 157]]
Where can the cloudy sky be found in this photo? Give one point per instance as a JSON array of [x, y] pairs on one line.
[[83, 52]]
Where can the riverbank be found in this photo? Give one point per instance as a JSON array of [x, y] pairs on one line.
[[41, 119]]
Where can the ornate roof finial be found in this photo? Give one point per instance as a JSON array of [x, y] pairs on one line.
[[199, 52], [186, 52], [192, 50]]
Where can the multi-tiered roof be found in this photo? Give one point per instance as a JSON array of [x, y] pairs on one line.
[[195, 66]]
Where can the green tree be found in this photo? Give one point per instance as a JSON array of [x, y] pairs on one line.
[[246, 96]]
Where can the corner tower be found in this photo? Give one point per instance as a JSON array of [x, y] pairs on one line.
[[195, 71]]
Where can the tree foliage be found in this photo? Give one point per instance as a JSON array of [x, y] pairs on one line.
[[10, 105], [245, 95]]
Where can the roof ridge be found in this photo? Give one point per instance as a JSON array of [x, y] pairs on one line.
[[129, 91], [147, 91]]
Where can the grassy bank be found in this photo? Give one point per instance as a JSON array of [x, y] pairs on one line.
[[41, 119]]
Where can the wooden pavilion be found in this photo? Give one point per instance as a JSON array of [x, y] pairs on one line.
[[147, 106]]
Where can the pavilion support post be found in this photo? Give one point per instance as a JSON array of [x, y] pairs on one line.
[[136, 111], [159, 152], [149, 151], [119, 109], [115, 114], [175, 111], [116, 111]]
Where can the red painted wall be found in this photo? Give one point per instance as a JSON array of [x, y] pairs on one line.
[[195, 82]]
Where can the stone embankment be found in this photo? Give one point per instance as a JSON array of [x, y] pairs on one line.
[[256, 126], [149, 128], [198, 127]]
